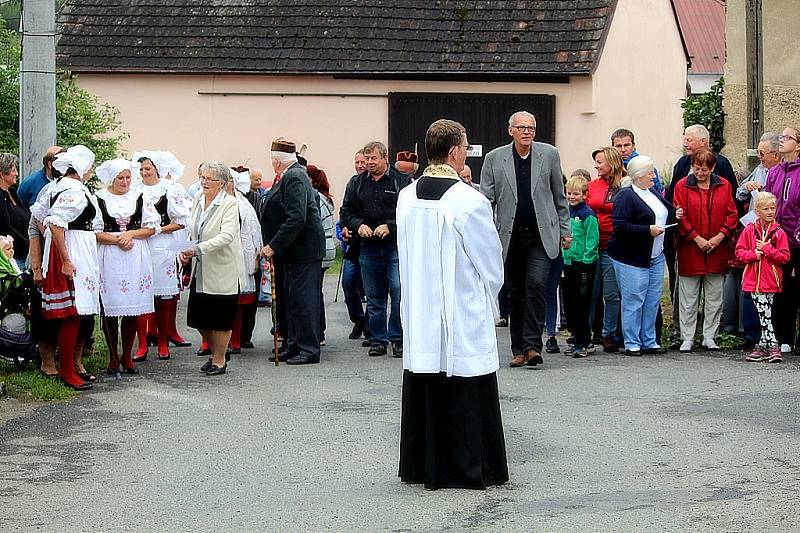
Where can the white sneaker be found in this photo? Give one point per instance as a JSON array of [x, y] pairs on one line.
[[686, 346], [785, 348], [709, 344]]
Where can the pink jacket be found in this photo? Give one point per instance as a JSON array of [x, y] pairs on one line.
[[765, 274]]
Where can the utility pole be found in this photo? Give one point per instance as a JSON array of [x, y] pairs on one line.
[[37, 95], [755, 78]]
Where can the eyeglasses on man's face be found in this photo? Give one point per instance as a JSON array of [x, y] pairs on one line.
[[525, 128]]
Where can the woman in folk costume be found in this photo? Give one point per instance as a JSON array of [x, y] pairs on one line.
[[126, 268], [173, 205], [71, 284], [250, 231]]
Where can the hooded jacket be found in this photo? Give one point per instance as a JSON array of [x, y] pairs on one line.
[[783, 181], [762, 275]]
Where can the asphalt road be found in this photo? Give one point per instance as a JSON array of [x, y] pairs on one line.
[[609, 443]]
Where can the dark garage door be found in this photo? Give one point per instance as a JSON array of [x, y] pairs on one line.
[[485, 116]]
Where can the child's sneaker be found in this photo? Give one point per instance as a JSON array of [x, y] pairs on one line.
[[759, 354], [579, 352], [775, 355]]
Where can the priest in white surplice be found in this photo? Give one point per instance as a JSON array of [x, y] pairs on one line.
[[451, 269]]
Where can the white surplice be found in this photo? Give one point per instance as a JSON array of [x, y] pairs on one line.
[[451, 270]]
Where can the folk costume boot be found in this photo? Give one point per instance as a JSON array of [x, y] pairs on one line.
[[162, 323], [67, 340], [141, 332], [172, 333], [129, 326]]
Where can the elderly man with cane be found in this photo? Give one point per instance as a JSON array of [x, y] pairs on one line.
[[291, 228]]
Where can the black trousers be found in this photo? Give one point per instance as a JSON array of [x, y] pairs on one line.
[[787, 304], [578, 286], [527, 269], [280, 297], [302, 290]]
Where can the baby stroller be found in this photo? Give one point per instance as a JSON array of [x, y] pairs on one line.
[[16, 342]]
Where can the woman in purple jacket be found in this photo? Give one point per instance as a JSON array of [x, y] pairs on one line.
[[783, 181]]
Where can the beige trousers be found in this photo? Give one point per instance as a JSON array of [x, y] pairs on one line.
[[688, 297]]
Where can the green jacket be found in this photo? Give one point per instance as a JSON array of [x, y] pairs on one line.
[[585, 236]]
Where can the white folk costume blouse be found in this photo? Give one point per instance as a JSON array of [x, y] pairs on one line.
[[126, 276], [251, 241], [173, 205], [65, 204], [451, 270]]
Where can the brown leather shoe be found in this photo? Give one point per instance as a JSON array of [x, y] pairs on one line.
[[517, 361], [533, 358]]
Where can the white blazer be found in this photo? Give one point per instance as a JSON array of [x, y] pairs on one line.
[[451, 270]]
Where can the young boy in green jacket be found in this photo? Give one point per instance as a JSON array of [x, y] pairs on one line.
[[580, 264]]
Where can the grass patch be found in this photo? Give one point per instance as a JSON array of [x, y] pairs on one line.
[[32, 385]]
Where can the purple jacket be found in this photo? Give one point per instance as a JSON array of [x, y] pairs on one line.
[[783, 181]]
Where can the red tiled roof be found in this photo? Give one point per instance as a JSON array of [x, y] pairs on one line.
[[702, 24]]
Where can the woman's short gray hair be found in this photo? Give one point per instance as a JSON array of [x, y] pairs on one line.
[[639, 166], [7, 162], [218, 169]]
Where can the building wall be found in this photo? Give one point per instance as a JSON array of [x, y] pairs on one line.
[[201, 117], [640, 81], [781, 73]]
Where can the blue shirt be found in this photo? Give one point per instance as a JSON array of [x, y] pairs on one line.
[[30, 187]]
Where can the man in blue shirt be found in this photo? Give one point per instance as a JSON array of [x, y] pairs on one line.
[[29, 189], [624, 142]]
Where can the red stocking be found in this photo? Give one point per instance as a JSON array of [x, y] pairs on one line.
[[129, 326], [141, 331], [173, 334], [204, 344], [162, 322], [236, 334], [67, 338]]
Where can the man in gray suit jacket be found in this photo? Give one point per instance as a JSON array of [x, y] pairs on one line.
[[524, 183]]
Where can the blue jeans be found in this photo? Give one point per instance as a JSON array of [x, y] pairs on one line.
[[605, 270], [551, 296], [641, 292], [352, 288], [380, 273]]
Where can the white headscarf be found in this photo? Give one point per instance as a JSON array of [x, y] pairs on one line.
[[165, 162], [77, 157], [111, 169], [241, 180]]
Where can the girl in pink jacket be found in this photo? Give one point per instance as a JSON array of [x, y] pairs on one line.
[[763, 247]]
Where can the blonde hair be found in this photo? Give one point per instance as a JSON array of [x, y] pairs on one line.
[[577, 183], [614, 160], [763, 198]]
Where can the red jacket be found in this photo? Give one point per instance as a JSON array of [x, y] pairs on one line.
[[601, 200], [765, 274], [718, 214]]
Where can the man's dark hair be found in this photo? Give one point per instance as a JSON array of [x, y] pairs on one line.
[[622, 132], [441, 136]]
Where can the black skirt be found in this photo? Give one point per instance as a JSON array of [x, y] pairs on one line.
[[451, 432], [215, 312]]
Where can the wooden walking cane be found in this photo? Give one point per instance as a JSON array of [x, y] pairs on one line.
[[274, 313]]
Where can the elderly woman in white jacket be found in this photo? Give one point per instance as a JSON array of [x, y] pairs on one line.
[[217, 267]]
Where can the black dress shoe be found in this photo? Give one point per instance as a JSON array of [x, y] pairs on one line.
[[179, 344], [633, 353], [377, 350], [248, 345], [206, 366], [202, 352], [397, 349], [234, 351], [284, 356], [356, 332], [131, 371], [302, 360], [654, 351], [366, 343], [216, 371], [140, 358], [86, 385]]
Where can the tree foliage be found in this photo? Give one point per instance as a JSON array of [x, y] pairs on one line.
[[80, 117], [706, 109]]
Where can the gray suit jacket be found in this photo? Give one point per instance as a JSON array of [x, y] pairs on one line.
[[499, 185]]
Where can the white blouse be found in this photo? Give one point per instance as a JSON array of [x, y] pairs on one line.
[[74, 197], [179, 204], [661, 213], [122, 206]]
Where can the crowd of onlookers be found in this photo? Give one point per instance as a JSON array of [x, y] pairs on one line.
[[589, 251]]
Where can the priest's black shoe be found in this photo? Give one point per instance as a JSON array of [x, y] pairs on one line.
[[302, 360], [377, 350]]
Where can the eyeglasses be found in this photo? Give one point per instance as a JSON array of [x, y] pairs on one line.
[[525, 128], [787, 137], [203, 178], [762, 153]]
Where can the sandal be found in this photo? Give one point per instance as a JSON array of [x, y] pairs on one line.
[[85, 376]]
